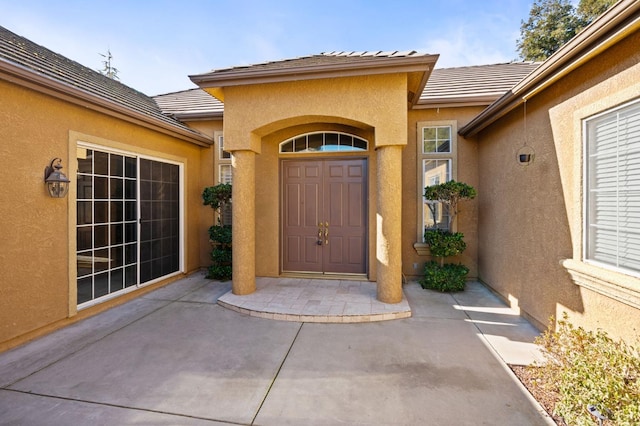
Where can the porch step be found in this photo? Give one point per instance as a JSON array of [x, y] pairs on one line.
[[315, 300]]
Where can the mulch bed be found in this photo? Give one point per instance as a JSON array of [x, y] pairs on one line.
[[545, 398]]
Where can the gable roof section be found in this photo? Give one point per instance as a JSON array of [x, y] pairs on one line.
[[325, 65], [621, 20], [192, 104], [473, 85], [34, 66], [447, 87]]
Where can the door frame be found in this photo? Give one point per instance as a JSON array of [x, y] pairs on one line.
[[366, 198]]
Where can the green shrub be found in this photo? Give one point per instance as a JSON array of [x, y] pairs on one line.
[[217, 196], [444, 243], [450, 194], [587, 368], [448, 277], [220, 234], [219, 272], [221, 256]]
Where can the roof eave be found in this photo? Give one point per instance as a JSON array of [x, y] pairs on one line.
[[463, 101], [29, 78], [614, 25], [244, 76], [198, 116]]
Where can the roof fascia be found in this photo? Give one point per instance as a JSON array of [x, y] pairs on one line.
[[244, 76], [28, 78], [462, 101], [417, 91], [197, 116], [614, 25]]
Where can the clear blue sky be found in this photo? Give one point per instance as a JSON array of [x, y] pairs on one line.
[[157, 44]]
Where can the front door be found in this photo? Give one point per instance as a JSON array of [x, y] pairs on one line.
[[324, 216]]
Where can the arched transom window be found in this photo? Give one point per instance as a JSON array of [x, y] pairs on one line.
[[323, 142]]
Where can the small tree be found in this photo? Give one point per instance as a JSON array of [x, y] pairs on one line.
[[449, 193], [445, 243], [218, 197], [552, 23]]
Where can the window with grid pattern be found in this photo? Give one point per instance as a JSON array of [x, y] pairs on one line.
[[436, 155]]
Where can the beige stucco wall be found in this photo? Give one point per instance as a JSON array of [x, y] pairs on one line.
[[208, 177], [259, 117], [530, 218], [36, 286]]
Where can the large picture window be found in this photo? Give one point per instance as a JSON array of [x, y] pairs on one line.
[[612, 171]]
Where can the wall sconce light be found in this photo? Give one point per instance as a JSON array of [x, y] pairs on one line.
[[57, 183]]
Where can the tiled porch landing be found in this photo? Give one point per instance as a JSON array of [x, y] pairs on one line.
[[315, 300]]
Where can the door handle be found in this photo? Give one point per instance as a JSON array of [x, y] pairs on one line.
[[326, 233]]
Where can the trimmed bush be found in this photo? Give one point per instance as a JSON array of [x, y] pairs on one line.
[[444, 243], [221, 256], [219, 272], [446, 278], [220, 235]]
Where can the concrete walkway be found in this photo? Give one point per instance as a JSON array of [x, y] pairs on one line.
[[176, 357]]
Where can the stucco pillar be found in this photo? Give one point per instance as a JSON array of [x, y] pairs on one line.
[[244, 222], [389, 223]]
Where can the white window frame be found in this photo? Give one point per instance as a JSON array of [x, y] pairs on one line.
[[444, 217], [589, 225], [224, 174], [222, 154], [422, 156], [224, 161]]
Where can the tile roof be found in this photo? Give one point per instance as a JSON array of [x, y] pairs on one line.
[[192, 103], [20, 51], [325, 58], [481, 82]]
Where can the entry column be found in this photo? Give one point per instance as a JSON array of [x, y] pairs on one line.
[[389, 223], [244, 222]]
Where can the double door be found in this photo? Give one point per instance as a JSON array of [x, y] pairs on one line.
[[324, 216]]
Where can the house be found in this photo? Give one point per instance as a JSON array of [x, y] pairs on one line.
[[329, 155]]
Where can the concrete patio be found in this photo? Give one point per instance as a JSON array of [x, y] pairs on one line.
[[176, 357]]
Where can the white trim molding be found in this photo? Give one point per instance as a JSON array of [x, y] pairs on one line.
[[615, 285]]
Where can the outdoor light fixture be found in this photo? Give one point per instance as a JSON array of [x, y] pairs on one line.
[[525, 154], [57, 183]]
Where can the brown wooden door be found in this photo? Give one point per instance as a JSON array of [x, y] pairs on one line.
[[324, 216]]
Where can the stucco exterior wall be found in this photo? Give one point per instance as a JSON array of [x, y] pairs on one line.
[[530, 217], [208, 175], [37, 231]]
